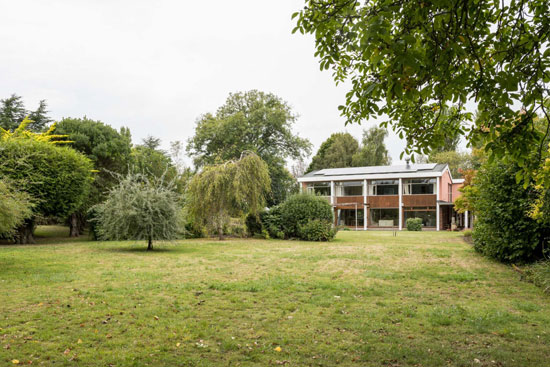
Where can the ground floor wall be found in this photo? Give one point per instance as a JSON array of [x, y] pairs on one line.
[[354, 217]]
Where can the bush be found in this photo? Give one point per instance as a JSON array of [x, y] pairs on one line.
[[414, 224], [504, 230], [539, 275], [317, 230], [253, 224], [272, 222], [299, 209], [467, 233]]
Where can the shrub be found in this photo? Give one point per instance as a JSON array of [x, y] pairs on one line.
[[539, 275], [272, 222], [504, 230], [253, 224], [467, 233], [15, 207], [317, 230], [299, 209], [414, 224]]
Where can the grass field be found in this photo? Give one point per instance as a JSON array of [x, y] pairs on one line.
[[366, 299]]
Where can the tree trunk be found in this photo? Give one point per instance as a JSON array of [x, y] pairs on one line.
[[220, 233], [150, 244], [25, 233], [74, 226]]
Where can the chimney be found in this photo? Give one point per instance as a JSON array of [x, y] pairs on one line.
[[408, 160]]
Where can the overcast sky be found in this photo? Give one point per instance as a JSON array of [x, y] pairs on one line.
[[155, 66]]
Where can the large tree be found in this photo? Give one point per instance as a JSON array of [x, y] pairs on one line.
[[337, 151], [411, 59], [56, 177], [13, 112], [250, 121], [108, 149], [231, 189], [373, 151]]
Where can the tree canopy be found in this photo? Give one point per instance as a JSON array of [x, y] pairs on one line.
[[13, 112], [337, 151], [15, 207], [373, 151], [231, 189], [250, 121], [410, 60], [55, 176]]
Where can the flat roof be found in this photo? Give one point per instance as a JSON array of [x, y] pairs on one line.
[[426, 168]]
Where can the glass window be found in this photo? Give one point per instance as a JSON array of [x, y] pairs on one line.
[[419, 186], [346, 217], [384, 187], [427, 216], [384, 217], [349, 188], [319, 188]]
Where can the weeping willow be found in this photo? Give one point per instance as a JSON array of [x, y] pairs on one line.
[[227, 190]]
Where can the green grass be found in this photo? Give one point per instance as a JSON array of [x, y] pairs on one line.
[[366, 299]]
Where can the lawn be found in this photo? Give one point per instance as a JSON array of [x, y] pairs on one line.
[[366, 299]]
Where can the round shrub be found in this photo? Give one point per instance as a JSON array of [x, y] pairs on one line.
[[414, 224], [299, 209], [272, 222], [317, 230]]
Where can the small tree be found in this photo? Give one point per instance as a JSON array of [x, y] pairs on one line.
[[139, 208], [228, 190]]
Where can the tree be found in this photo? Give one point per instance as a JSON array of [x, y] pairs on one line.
[[108, 149], [410, 60], [251, 121], [373, 151], [231, 189], [13, 112], [504, 230], [140, 207], [15, 207], [459, 162], [335, 152], [56, 177]]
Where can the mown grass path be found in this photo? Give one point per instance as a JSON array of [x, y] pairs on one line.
[[366, 299]]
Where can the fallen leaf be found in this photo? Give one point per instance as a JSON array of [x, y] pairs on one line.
[[278, 349], [156, 317], [79, 341], [15, 361], [178, 344], [67, 351]]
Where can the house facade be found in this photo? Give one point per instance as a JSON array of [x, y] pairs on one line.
[[384, 197]]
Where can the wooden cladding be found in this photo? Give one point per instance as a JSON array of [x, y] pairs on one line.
[[349, 199], [419, 200], [386, 201]]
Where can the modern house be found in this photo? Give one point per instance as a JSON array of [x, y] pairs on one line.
[[385, 196]]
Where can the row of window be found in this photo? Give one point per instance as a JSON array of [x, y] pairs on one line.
[[386, 217], [414, 186]]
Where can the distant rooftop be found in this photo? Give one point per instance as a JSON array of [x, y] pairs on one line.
[[411, 168]]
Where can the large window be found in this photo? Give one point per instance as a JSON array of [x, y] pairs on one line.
[[419, 186], [349, 188], [319, 188], [427, 215], [384, 217], [384, 187], [346, 217]]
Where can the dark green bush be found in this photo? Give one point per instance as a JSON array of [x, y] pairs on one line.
[[503, 228], [253, 224], [272, 222], [299, 209], [414, 224], [317, 230]]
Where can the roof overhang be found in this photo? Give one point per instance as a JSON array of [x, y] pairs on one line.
[[380, 176]]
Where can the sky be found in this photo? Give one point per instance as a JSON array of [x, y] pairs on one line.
[[156, 66]]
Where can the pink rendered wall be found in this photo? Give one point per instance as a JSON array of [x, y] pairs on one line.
[[444, 186], [456, 193]]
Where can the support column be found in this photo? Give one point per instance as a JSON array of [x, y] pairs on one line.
[[365, 194], [400, 204], [332, 192], [437, 214], [466, 219]]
